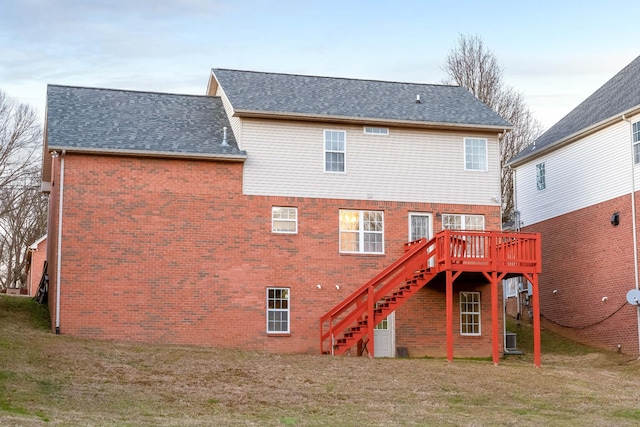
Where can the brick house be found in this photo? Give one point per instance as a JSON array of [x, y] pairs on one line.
[[35, 264], [241, 218], [578, 186]]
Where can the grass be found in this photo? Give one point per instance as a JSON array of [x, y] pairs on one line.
[[64, 381]]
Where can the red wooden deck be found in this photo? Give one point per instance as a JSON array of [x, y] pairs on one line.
[[495, 255]]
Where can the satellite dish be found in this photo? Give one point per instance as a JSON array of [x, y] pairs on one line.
[[633, 297]]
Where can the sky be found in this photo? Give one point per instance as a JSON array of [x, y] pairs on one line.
[[555, 53]]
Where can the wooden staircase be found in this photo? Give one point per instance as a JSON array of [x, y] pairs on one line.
[[355, 317], [496, 255]]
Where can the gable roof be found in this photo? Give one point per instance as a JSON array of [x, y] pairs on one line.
[[145, 123], [620, 95], [261, 94]]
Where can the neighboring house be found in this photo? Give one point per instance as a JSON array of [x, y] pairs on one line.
[[242, 217], [577, 186], [35, 263]]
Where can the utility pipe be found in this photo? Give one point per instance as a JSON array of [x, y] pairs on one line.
[[633, 217], [59, 251]]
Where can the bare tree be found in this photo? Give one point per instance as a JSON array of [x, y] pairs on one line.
[[22, 206], [471, 65]]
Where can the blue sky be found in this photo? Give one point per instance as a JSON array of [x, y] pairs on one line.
[[556, 53]]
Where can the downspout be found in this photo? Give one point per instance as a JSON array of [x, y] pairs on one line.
[[59, 248], [633, 217]]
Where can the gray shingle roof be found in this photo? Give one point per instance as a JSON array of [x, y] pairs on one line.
[[618, 95], [259, 92], [129, 121]]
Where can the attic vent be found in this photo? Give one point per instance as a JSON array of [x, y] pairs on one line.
[[224, 137], [418, 99]]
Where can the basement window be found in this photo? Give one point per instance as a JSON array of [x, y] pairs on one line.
[[469, 313], [278, 310]]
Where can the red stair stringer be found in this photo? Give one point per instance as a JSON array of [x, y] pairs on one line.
[[349, 322]]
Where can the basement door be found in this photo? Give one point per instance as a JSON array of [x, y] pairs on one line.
[[384, 337]]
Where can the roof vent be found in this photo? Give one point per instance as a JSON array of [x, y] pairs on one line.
[[224, 137], [418, 99]]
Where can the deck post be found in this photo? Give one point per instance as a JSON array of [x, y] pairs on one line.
[[371, 322], [449, 308], [495, 334], [536, 318]]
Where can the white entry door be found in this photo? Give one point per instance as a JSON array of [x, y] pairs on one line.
[[384, 337]]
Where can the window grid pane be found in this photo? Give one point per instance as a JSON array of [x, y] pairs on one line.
[[361, 231], [284, 220], [334, 148], [475, 154], [541, 183], [470, 313], [636, 142], [278, 310]]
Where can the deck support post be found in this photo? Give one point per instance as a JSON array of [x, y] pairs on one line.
[[371, 322], [535, 301], [495, 334], [449, 309]]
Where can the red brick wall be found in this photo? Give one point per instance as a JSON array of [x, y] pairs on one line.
[[35, 271], [162, 250], [585, 258]]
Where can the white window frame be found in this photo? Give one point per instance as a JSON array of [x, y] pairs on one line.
[[354, 222], [471, 157], [372, 130], [541, 176], [274, 306], [429, 224], [332, 150], [281, 215], [636, 142], [466, 222], [470, 318]]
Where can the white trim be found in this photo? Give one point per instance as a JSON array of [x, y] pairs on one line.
[[371, 130], [486, 154], [360, 232], [429, 224], [284, 220], [279, 310], [477, 304], [344, 151]]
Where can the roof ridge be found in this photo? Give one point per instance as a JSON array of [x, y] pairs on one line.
[[333, 78], [151, 92]]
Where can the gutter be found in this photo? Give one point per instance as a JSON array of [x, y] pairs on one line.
[[241, 156], [59, 243], [633, 217]]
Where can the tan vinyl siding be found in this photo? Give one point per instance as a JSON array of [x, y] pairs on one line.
[[236, 122], [287, 159], [586, 172]]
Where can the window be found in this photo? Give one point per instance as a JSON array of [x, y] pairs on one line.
[[278, 310], [636, 142], [284, 220], [469, 313], [376, 131], [462, 222], [541, 182], [475, 154], [361, 232], [334, 151], [419, 226]]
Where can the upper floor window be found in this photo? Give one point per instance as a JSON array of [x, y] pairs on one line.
[[375, 131], [469, 313], [636, 142], [475, 154], [541, 181], [278, 310], [462, 222], [284, 220], [334, 150], [361, 232]]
